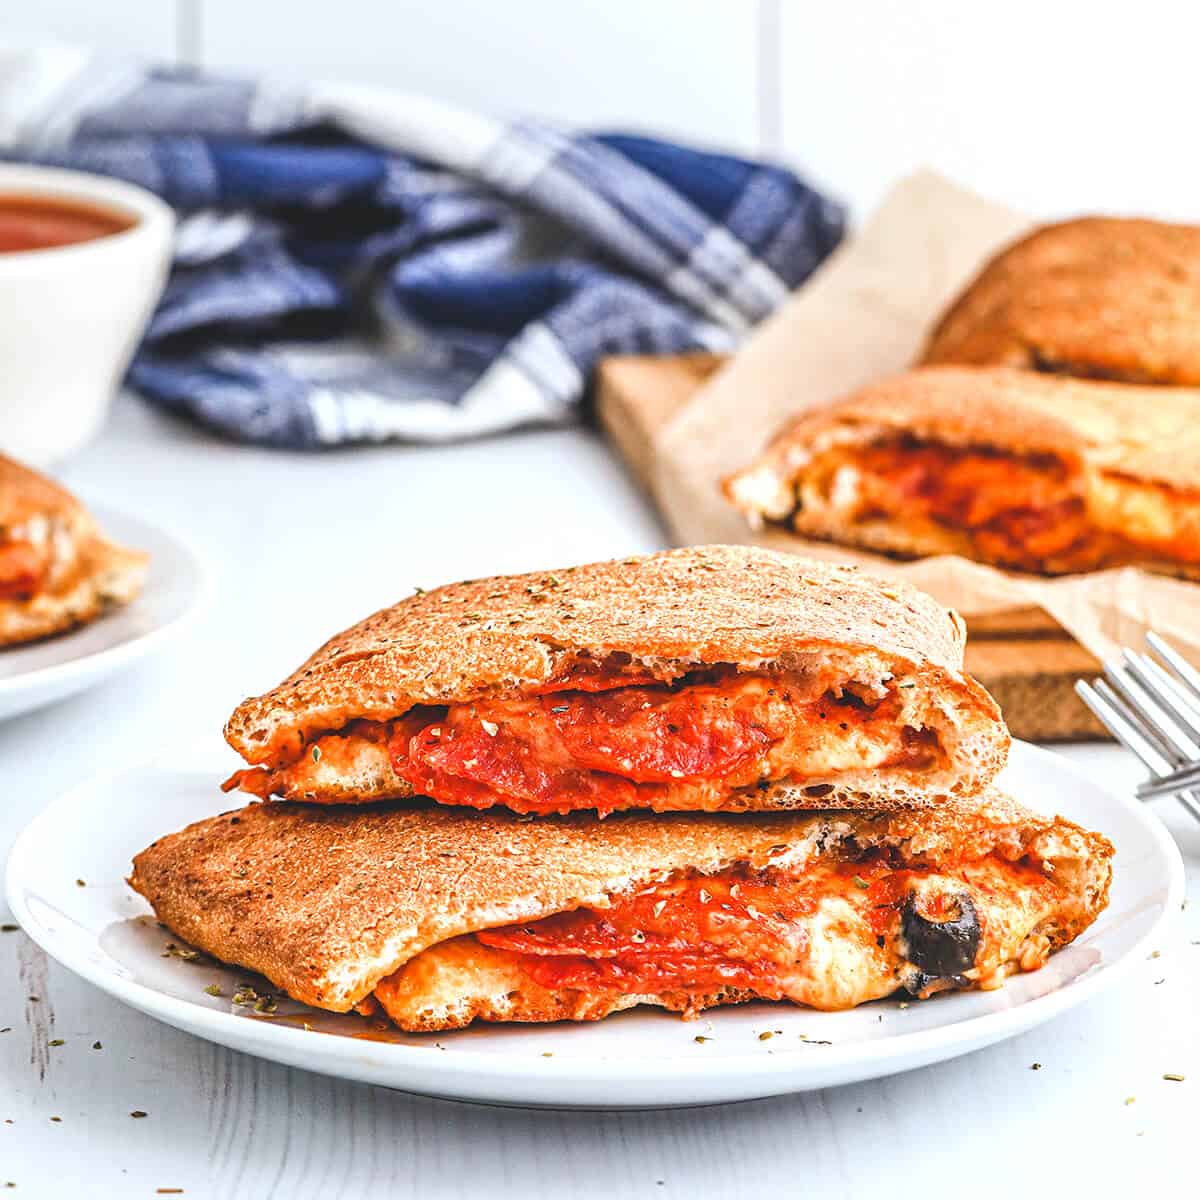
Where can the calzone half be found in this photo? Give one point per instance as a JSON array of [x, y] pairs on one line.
[[711, 678], [1037, 473], [438, 916]]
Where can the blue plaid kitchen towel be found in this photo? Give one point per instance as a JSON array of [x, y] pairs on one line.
[[358, 264]]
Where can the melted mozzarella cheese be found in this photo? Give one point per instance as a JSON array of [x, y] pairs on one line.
[[843, 965], [839, 956], [812, 740], [1157, 516]]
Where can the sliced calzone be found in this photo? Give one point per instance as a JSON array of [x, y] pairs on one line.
[[439, 916], [1036, 473], [712, 678], [57, 570]]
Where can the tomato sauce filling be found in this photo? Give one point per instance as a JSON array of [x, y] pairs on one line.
[[610, 740], [1022, 511], [1160, 520], [22, 569], [631, 745], [751, 930], [697, 934], [1018, 510]]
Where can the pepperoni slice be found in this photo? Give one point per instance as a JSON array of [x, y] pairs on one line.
[[580, 749], [701, 934]]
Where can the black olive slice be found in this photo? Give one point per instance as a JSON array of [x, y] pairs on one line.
[[944, 944]]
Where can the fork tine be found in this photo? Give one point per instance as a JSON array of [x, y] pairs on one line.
[[1114, 718], [1171, 696], [1142, 712], [1180, 667], [1190, 801], [1166, 753], [1173, 684], [1152, 713], [1169, 784]]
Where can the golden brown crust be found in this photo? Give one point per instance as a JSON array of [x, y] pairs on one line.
[[670, 612], [328, 901], [1101, 297]]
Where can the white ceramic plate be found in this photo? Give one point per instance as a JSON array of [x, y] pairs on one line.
[[49, 670], [638, 1059]]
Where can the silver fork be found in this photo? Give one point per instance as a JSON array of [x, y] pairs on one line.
[[1152, 706]]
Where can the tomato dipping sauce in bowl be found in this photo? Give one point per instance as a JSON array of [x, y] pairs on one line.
[[35, 222], [83, 260]]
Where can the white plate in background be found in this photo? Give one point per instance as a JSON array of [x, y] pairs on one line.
[[639, 1059], [38, 673]]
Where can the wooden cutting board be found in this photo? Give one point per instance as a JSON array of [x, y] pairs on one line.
[[1023, 658]]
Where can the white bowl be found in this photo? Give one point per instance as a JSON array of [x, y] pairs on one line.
[[71, 316]]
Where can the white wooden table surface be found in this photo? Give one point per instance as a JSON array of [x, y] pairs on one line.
[[299, 547]]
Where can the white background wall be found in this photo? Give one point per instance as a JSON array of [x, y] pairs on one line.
[[1052, 105]]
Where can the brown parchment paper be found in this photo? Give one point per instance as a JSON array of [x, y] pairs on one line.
[[862, 316]]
